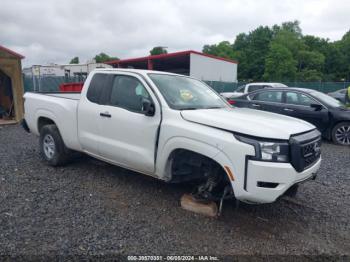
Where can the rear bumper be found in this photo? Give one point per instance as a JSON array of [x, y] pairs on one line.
[[25, 126], [266, 181]]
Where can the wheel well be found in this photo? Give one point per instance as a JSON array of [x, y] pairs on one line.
[[185, 165], [338, 122], [208, 176], [43, 121]]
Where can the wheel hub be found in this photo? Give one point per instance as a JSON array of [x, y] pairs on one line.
[[343, 135], [49, 146]]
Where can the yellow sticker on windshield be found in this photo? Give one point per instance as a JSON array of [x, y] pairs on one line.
[[186, 95]]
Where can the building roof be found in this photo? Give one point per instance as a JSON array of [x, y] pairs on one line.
[[11, 52], [169, 55]]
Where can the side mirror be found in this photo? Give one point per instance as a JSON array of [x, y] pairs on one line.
[[148, 107], [317, 107]]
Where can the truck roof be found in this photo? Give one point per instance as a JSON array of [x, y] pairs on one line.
[[140, 71]]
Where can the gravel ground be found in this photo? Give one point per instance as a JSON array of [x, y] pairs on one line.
[[90, 207]]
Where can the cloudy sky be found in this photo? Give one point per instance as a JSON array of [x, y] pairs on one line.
[[46, 31]]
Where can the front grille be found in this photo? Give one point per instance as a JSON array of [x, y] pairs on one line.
[[308, 150], [311, 152], [305, 149]]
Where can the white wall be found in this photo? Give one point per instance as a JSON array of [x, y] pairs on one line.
[[211, 69]]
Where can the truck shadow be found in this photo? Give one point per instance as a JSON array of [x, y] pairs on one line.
[[143, 189]]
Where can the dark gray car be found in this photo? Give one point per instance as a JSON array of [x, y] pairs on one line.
[[329, 115]]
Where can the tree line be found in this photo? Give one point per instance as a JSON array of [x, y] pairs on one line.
[[99, 58], [282, 53], [103, 57]]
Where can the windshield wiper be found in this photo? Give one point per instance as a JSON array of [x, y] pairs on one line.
[[196, 108], [189, 108], [213, 107]]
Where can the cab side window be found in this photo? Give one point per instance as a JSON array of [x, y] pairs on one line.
[[269, 96], [127, 92], [96, 88], [294, 98]]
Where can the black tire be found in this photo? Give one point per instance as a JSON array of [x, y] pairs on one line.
[[52, 148], [341, 134]]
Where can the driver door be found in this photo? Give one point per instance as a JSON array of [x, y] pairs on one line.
[[128, 136], [298, 105]]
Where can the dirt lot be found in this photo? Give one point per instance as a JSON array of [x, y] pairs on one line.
[[90, 207]]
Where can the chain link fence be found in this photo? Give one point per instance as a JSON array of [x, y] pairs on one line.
[[48, 83], [52, 83], [324, 87]]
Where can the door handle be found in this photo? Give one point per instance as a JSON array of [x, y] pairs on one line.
[[288, 110], [256, 105], [106, 114]]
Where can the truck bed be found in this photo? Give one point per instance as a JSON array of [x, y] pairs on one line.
[[61, 108]]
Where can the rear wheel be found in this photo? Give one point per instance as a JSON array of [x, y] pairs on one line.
[[341, 134], [52, 147]]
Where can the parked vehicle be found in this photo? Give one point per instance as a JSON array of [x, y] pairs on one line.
[[339, 95], [176, 128], [329, 115], [248, 88]]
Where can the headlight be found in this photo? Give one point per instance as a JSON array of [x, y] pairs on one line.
[[273, 151], [267, 150]]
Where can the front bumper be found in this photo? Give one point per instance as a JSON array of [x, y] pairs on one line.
[[266, 181]]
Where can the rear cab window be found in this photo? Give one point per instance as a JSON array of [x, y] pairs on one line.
[[96, 88]]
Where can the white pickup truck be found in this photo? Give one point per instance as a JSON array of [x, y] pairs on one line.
[[176, 128]]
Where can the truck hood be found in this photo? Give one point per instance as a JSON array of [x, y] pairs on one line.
[[249, 121]]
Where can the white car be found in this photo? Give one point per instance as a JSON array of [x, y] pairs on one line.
[[244, 89], [175, 128]]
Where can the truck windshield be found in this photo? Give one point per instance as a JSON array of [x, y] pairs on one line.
[[184, 93]]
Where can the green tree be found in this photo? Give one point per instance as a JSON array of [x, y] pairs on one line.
[[313, 58], [344, 48], [309, 75], [158, 50], [249, 49], [310, 60], [316, 43], [280, 64], [290, 40], [223, 49], [102, 57], [254, 54], [290, 26], [74, 60]]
